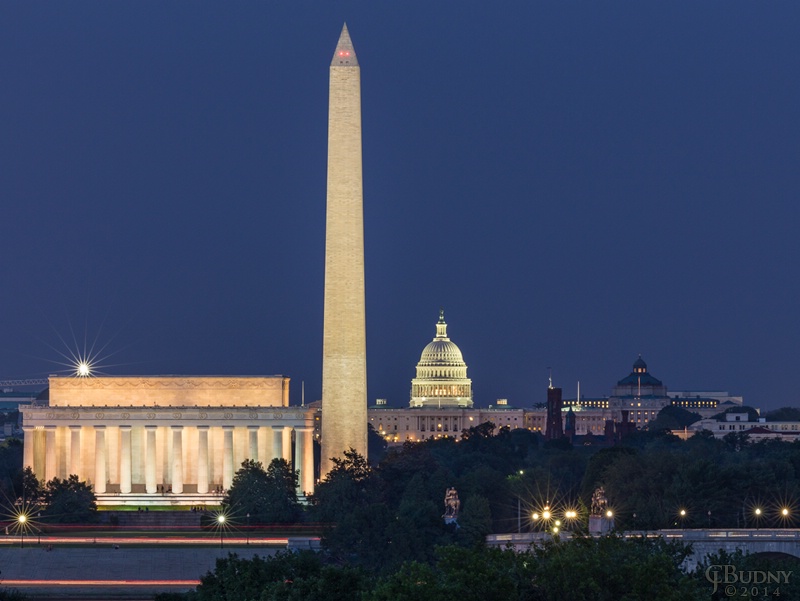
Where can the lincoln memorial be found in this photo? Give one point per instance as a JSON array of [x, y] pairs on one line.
[[165, 439]]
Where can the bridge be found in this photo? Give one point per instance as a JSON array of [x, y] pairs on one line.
[[784, 541]]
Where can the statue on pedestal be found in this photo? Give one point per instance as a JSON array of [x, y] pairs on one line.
[[451, 505], [601, 520], [599, 502]]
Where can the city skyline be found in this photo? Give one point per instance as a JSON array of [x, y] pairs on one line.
[[574, 185]]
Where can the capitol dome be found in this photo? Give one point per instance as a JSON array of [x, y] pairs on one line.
[[441, 374]]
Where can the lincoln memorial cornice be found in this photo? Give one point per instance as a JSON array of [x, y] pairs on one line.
[[170, 391], [214, 416]]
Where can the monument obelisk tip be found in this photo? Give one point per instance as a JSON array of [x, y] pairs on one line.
[[345, 54]]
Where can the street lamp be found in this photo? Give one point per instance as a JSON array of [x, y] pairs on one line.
[[221, 522], [757, 513], [682, 514], [570, 515], [22, 520], [248, 528], [545, 517]]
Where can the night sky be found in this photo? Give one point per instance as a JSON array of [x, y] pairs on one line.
[[574, 182]]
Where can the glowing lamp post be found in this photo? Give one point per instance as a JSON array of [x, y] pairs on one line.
[[221, 522], [545, 517], [757, 513], [22, 519], [682, 514], [570, 516]]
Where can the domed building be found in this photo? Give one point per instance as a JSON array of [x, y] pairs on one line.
[[441, 374], [640, 384]]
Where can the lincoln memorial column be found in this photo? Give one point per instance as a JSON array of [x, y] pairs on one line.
[[202, 459], [150, 460], [304, 459], [177, 459], [125, 460], [287, 444], [277, 442], [252, 432], [50, 453], [100, 460], [75, 451], [227, 457], [27, 450]]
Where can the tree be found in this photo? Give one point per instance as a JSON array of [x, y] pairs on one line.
[[376, 445], [673, 417], [69, 500], [10, 467], [474, 574], [784, 414], [32, 491], [348, 485], [266, 496], [736, 440], [475, 521], [596, 468], [787, 588], [302, 576], [752, 414], [417, 526], [281, 500], [610, 568]]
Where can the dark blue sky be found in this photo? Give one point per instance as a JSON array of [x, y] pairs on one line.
[[574, 182]]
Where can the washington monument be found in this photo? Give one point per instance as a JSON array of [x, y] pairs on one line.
[[344, 339]]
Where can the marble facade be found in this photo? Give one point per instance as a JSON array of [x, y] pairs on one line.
[[166, 435]]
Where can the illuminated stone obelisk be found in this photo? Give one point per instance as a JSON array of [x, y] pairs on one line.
[[344, 339]]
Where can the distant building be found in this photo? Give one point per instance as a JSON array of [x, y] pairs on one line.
[[441, 403], [400, 425], [555, 426], [642, 395], [441, 380], [707, 403], [165, 440], [10, 399], [740, 423]]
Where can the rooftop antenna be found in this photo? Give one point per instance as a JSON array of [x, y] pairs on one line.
[[302, 393], [578, 401]]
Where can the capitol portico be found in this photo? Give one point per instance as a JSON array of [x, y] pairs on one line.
[[160, 437]]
